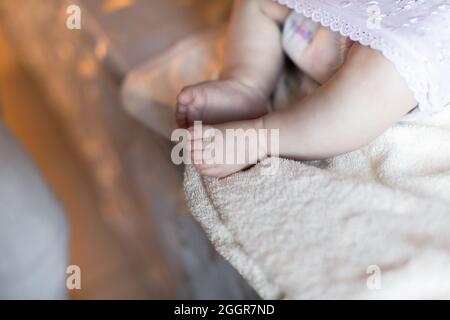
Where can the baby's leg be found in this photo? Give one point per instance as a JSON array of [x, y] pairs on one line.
[[251, 69], [365, 98]]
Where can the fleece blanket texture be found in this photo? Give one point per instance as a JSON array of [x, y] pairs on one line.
[[372, 224]]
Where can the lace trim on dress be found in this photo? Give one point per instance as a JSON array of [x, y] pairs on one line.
[[362, 35]]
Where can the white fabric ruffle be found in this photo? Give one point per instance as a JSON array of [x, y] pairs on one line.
[[413, 34]]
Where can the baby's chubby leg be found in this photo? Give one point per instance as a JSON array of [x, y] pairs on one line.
[[365, 98], [252, 66]]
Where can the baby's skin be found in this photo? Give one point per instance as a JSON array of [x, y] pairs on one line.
[[355, 104]]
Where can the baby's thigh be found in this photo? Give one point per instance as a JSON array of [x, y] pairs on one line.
[[274, 10]]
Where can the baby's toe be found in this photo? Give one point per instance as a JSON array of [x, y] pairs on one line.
[[186, 95], [214, 171], [181, 115], [196, 98], [202, 157], [208, 170]]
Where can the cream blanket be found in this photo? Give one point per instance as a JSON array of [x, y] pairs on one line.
[[371, 224]]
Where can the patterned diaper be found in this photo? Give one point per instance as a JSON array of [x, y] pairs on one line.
[[300, 32]]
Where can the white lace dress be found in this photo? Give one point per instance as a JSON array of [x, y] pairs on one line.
[[413, 34]]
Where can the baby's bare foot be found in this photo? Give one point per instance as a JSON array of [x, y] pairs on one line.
[[215, 102], [225, 149]]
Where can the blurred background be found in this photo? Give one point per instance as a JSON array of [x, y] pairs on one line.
[[131, 232]]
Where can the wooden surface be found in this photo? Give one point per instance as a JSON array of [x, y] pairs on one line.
[[138, 192], [107, 271]]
